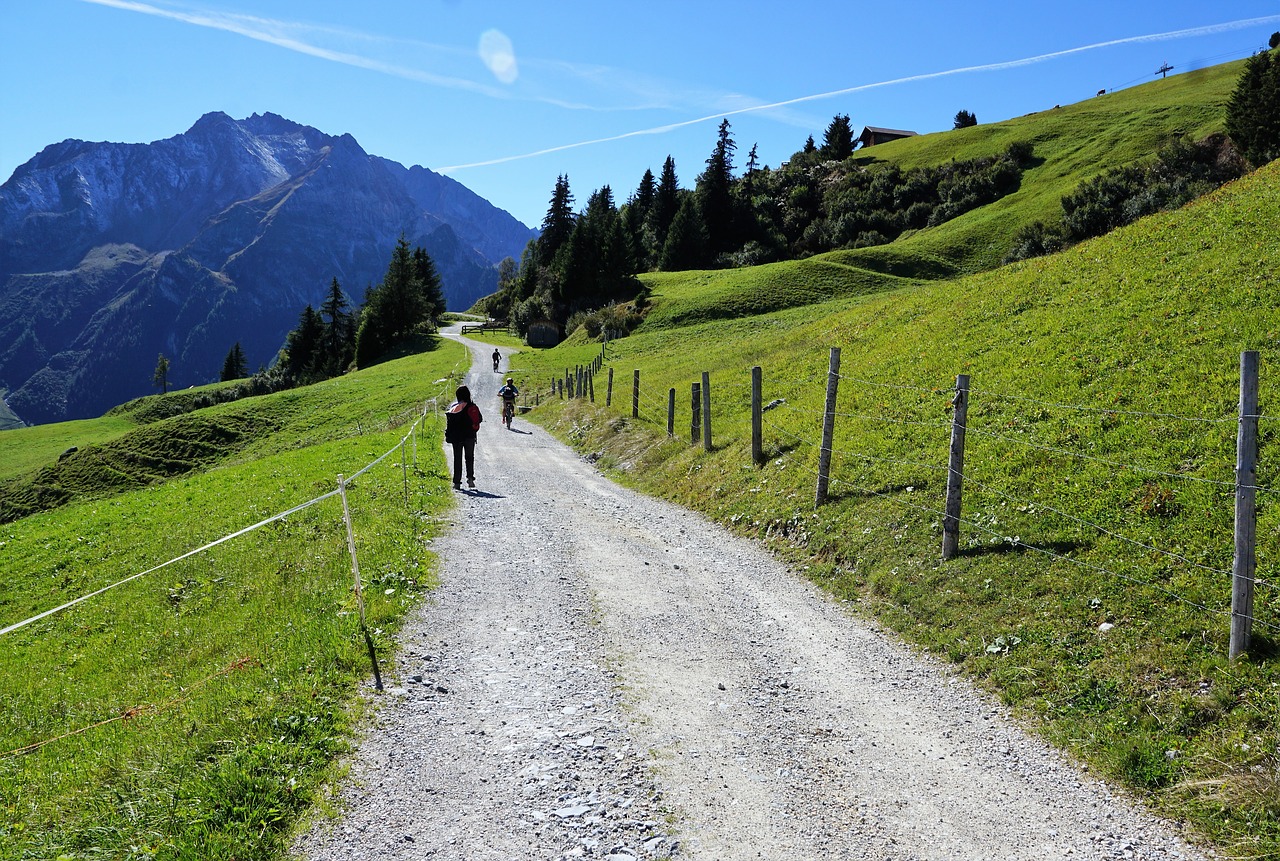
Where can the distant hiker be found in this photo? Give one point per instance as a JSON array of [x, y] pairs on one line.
[[497, 357], [461, 422]]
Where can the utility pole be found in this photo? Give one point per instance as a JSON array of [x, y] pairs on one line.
[[1164, 70]]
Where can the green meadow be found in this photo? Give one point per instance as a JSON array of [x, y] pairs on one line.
[[197, 711]]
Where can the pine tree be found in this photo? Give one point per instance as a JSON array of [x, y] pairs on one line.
[[837, 141], [1253, 112], [234, 367], [558, 222], [402, 302], [687, 242], [666, 203], [964, 119], [161, 375], [424, 270], [715, 193], [635, 220], [303, 356], [339, 331], [408, 299]]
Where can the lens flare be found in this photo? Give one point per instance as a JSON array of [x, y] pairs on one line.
[[498, 54]]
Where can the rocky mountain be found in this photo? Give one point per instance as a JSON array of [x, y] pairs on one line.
[[112, 254]]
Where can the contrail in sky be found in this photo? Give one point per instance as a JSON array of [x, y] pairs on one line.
[[269, 31], [989, 67], [277, 33]]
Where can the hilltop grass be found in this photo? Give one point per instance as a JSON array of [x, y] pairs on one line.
[[26, 449], [1099, 484], [683, 298], [1071, 144], [196, 712]]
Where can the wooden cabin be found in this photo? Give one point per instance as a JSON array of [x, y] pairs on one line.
[[872, 135]]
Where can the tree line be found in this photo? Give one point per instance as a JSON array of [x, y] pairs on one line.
[[821, 199]]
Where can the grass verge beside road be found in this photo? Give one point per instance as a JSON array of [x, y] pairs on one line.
[[197, 711]]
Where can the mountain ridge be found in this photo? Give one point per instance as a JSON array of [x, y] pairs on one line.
[[113, 253]]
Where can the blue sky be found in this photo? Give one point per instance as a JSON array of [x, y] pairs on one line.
[[506, 96]]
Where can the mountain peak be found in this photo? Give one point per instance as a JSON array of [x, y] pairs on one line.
[[209, 121], [231, 228]]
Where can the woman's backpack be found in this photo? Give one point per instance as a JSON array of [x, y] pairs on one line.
[[458, 424]]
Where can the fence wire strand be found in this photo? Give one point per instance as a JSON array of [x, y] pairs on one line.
[[796, 441], [225, 538], [1111, 463], [1103, 410]]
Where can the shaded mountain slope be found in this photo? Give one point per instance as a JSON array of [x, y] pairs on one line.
[[112, 254]]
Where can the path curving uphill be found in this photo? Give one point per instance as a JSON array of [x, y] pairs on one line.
[[604, 675]]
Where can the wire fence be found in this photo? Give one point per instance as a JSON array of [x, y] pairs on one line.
[[919, 418]]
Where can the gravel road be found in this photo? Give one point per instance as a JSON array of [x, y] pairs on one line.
[[605, 675]]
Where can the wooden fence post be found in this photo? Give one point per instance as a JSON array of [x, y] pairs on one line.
[[635, 394], [355, 574], [608, 396], [695, 420], [955, 470], [828, 429], [404, 471], [706, 411], [1245, 566], [757, 416], [671, 413], [591, 387]]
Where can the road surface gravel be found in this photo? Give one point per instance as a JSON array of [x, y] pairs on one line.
[[604, 675]]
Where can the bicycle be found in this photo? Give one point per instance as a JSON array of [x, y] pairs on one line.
[[508, 411]]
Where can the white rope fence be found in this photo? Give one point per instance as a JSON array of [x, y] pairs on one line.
[[339, 491]]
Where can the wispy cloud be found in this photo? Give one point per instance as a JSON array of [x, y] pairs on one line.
[[293, 37], [961, 70], [593, 87]]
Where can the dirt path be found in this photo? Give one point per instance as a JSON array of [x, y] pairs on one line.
[[604, 675]]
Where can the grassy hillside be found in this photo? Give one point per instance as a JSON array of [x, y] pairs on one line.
[[195, 711], [1071, 143], [1093, 586]]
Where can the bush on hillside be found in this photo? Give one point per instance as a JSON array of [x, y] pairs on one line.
[[1036, 240], [874, 206], [1181, 172], [617, 321]]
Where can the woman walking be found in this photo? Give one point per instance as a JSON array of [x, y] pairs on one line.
[[461, 422]]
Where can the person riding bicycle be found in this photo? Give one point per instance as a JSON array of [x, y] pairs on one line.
[[497, 357], [508, 393]]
